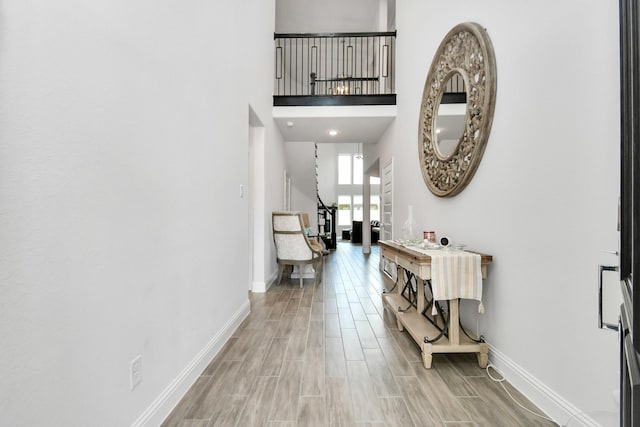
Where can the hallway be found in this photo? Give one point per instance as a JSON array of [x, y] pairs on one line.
[[329, 355]]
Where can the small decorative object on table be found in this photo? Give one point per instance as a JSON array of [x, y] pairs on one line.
[[429, 236]]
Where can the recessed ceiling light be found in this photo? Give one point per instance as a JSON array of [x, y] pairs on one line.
[[333, 132], [290, 124]]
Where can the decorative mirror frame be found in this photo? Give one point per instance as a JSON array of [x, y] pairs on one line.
[[466, 49]]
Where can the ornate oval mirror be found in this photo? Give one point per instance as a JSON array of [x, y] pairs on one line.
[[457, 109]]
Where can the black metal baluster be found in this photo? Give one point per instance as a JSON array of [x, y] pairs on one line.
[[363, 61], [289, 66]]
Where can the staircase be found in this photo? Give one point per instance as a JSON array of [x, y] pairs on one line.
[[327, 224], [326, 217]]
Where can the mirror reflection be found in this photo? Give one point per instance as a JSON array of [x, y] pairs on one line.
[[450, 122]]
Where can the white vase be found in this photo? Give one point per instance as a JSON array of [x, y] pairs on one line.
[[410, 229]]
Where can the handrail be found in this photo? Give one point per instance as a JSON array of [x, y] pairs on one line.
[[319, 35], [323, 205], [329, 237]]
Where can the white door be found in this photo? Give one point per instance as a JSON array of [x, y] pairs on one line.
[[386, 231], [386, 218]]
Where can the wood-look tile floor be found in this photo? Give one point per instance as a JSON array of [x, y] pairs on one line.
[[330, 355]]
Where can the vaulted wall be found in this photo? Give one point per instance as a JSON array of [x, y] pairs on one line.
[[124, 143], [543, 201]]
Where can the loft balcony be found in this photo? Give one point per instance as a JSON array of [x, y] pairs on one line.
[[334, 69]]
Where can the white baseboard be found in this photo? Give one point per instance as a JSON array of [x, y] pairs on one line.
[[162, 406], [259, 287], [554, 405], [262, 287], [271, 281]]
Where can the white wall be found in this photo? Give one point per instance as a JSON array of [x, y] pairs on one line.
[[391, 15], [310, 16], [301, 166], [123, 141], [328, 173], [276, 166], [544, 199], [259, 89]]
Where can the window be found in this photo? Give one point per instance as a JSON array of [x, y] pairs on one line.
[[350, 175], [352, 207], [357, 169], [350, 169], [357, 208], [373, 180], [374, 208], [344, 210], [344, 169]]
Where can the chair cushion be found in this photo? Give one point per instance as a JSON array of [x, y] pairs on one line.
[[292, 247]]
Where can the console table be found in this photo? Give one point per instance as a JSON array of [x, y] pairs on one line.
[[414, 309]]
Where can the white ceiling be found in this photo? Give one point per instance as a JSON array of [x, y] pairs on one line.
[[361, 124]]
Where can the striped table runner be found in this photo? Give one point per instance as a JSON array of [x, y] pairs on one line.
[[455, 274]]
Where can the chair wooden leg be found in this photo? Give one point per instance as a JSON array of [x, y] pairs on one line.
[[315, 273], [318, 267], [280, 275]]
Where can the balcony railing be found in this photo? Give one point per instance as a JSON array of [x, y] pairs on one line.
[[335, 69]]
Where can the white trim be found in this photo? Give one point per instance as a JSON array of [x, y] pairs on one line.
[[386, 201], [554, 405], [273, 280], [259, 287], [333, 111], [162, 406], [262, 287]]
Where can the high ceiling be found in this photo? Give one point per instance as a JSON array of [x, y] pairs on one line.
[[354, 124]]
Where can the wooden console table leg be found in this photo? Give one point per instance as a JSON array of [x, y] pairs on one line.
[[483, 355], [427, 355], [393, 311], [399, 281], [454, 321]]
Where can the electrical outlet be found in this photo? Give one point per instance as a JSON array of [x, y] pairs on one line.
[[135, 371]]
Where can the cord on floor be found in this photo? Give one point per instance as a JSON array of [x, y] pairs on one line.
[[501, 382]]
